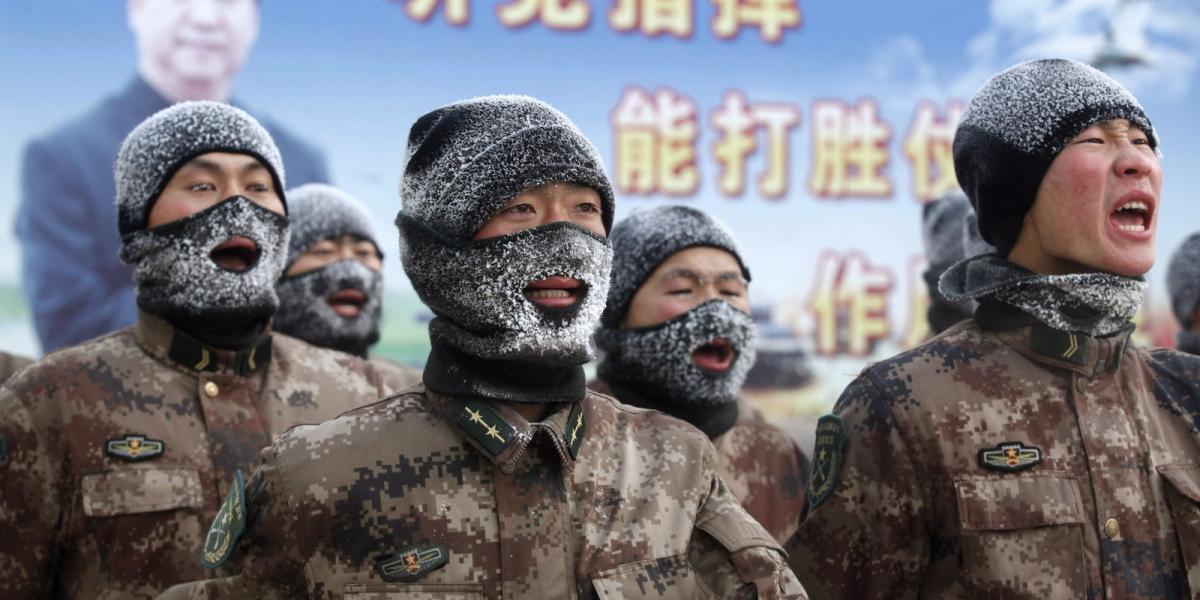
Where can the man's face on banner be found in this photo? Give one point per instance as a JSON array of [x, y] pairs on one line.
[[194, 40]]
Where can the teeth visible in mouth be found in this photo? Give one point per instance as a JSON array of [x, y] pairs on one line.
[[1136, 206], [1133, 228], [548, 294]]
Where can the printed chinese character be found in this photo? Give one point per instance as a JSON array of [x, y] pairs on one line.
[[457, 12], [738, 123], [849, 150], [570, 15], [771, 17], [655, 143], [849, 304], [653, 17], [928, 147]]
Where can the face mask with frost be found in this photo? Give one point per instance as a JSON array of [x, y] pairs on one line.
[[177, 277], [659, 359], [476, 289], [306, 308]]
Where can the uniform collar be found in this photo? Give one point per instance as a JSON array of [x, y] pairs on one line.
[[1086, 355], [501, 434], [159, 339]]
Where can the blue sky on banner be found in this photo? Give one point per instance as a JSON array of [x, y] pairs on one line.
[[352, 76]]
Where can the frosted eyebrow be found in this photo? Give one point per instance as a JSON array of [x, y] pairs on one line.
[[685, 273], [207, 165]]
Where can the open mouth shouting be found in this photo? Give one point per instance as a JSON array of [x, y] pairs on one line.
[[715, 357], [1133, 215], [554, 292], [347, 303], [238, 254]]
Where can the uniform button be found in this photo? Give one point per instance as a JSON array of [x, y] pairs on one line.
[[1081, 384], [211, 390], [1111, 528]]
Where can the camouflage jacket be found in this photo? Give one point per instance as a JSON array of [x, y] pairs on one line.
[[1009, 463], [761, 464], [425, 496], [765, 468], [119, 450], [398, 377]]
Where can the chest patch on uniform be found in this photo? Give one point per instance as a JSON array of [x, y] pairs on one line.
[[134, 447], [227, 527], [828, 456], [1010, 457], [412, 562]]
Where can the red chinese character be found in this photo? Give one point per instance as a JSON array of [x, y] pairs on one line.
[[849, 150], [849, 304], [457, 12], [653, 17], [655, 143], [771, 17], [929, 149], [569, 15], [738, 123]]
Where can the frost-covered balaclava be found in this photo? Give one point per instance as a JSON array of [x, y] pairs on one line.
[[175, 274], [463, 163], [322, 212], [1183, 284], [657, 360], [1017, 123]]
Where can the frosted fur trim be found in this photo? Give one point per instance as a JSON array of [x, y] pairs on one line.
[[476, 289], [158, 146], [657, 360], [304, 312], [176, 276]]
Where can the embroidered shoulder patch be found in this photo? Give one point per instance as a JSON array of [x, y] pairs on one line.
[[412, 562], [227, 527], [575, 429], [134, 447], [1010, 457], [828, 456]]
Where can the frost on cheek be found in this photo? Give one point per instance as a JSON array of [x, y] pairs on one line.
[[176, 275], [659, 360], [304, 311], [477, 292]]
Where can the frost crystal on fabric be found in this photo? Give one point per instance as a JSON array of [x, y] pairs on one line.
[[1095, 304], [466, 160], [649, 236], [156, 148], [658, 359], [322, 212], [305, 313], [1183, 279], [1038, 106], [476, 289], [1014, 127], [177, 278]]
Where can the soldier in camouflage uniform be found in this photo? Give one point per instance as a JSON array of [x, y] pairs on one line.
[[1033, 451], [502, 477], [677, 337], [331, 294], [116, 453], [1183, 284]]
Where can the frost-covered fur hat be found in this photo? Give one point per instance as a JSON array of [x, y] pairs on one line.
[[649, 236], [466, 160], [318, 211], [1183, 279], [950, 231], [160, 145], [1017, 123]]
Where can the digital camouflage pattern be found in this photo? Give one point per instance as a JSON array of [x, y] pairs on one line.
[[598, 500], [83, 518], [763, 466], [1107, 507], [398, 377]]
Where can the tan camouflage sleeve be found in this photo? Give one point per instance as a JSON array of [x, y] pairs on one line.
[[269, 551], [734, 555], [30, 504], [864, 535]]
